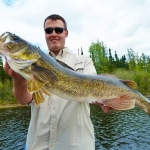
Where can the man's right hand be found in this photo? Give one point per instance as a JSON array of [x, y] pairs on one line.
[[12, 73], [20, 90]]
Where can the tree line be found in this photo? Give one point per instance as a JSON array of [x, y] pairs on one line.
[[6, 96], [130, 66]]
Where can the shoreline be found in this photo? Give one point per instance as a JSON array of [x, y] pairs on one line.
[[12, 105], [19, 105]]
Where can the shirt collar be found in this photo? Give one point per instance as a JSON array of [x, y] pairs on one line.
[[61, 52]]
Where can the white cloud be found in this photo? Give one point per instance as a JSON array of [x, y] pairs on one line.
[[119, 24]]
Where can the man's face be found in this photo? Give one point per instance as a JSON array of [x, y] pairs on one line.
[[55, 42]]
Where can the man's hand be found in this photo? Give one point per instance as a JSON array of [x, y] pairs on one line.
[[12, 73], [106, 109], [20, 90]]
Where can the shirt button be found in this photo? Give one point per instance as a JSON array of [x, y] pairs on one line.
[[52, 127], [51, 145]]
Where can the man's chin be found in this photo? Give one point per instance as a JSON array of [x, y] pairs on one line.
[[56, 49]]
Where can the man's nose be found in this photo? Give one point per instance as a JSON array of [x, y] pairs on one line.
[[53, 33]]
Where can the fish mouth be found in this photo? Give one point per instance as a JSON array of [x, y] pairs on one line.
[[6, 37], [3, 51]]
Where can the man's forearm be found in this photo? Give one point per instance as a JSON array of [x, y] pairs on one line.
[[21, 93]]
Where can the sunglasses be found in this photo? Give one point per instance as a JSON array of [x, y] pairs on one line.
[[57, 30]]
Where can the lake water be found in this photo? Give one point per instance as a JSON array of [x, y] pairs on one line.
[[122, 130], [13, 127]]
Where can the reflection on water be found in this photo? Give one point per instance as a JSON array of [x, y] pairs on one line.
[[123, 130]]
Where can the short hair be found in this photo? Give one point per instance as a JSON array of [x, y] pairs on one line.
[[56, 17]]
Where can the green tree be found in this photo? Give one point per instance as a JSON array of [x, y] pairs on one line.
[[142, 62], [98, 53], [132, 59], [3, 75]]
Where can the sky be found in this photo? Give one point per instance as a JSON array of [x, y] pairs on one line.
[[119, 24]]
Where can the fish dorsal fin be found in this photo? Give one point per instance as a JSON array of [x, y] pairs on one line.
[[64, 65], [130, 84]]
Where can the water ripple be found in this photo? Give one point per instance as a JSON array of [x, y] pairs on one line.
[[121, 130], [13, 127]]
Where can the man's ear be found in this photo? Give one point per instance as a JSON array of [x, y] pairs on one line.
[[66, 33]]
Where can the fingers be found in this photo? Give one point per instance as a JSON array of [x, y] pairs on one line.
[[6, 66], [8, 69], [106, 109]]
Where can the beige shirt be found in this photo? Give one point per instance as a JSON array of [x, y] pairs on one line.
[[60, 124]]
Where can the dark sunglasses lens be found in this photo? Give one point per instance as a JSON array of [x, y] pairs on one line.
[[59, 30], [49, 30]]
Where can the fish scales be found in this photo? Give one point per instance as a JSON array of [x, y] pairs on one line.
[[47, 75]]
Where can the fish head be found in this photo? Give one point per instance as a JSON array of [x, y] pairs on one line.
[[16, 47], [10, 43], [19, 53]]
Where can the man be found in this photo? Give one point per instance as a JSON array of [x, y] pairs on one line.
[[57, 123]]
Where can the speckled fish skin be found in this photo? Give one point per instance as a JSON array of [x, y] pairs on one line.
[[46, 75]]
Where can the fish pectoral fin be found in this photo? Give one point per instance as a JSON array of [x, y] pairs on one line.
[[130, 84], [45, 91], [38, 97], [123, 102], [34, 85], [37, 88]]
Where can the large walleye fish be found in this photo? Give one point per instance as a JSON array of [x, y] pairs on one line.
[[46, 75]]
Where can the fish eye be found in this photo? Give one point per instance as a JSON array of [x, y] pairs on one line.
[[15, 38]]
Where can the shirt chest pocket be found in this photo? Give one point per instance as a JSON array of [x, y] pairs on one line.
[[79, 67]]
